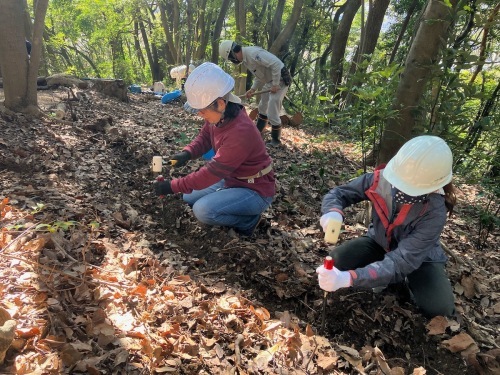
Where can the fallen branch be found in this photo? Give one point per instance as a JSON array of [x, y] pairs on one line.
[[237, 343]]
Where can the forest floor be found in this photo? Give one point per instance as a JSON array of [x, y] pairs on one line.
[[104, 278]]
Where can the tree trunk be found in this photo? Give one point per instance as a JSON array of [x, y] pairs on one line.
[[88, 59], [372, 30], [190, 33], [276, 22], [328, 50], [482, 50], [340, 43], [205, 17], [367, 43], [477, 129], [147, 47], [172, 50], [19, 70], [137, 45], [281, 41], [402, 31], [258, 18], [218, 29], [302, 42], [240, 16], [422, 57]]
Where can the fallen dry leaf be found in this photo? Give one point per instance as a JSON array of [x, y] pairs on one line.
[[459, 342], [437, 325]]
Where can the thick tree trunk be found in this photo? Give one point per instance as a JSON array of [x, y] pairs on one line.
[[281, 41], [276, 22], [218, 29], [147, 47], [137, 45], [324, 56], [340, 43], [422, 57], [172, 50], [205, 17], [372, 30], [19, 69], [367, 43]]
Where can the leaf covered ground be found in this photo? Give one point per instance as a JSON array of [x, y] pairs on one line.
[[102, 277]]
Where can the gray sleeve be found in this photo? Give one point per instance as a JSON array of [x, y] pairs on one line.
[[411, 252], [268, 60], [348, 194]]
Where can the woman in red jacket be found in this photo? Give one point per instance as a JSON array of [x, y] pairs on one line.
[[238, 184]]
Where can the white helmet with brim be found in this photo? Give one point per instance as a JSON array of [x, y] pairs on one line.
[[422, 165]]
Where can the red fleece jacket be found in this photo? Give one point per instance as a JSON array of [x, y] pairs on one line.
[[239, 152]]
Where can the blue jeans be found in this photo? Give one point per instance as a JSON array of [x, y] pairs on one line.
[[239, 208]]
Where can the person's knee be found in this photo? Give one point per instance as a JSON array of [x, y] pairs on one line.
[[189, 199], [203, 212], [437, 308]]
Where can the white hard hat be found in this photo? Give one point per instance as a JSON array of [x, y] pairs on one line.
[[421, 166], [225, 48], [206, 83]]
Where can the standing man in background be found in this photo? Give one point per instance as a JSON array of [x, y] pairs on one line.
[[270, 74]]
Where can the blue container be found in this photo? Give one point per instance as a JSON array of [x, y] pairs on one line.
[[136, 89], [209, 154], [169, 96]]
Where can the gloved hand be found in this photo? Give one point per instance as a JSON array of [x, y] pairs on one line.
[[163, 187], [326, 218], [332, 280], [182, 158]]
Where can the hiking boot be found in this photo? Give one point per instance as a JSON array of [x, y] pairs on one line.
[[275, 136], [261, 122]]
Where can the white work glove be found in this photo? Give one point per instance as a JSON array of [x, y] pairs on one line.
[[332, 280], [326, 218]]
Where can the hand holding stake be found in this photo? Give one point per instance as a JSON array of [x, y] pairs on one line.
[[328, 263]]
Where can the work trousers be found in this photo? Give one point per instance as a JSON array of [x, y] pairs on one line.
[[429, 284], [270, 104], [239, 208]]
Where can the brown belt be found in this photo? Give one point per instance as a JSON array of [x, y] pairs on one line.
[[263, 172]]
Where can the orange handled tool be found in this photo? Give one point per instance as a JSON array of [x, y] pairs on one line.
[[328, 263]]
